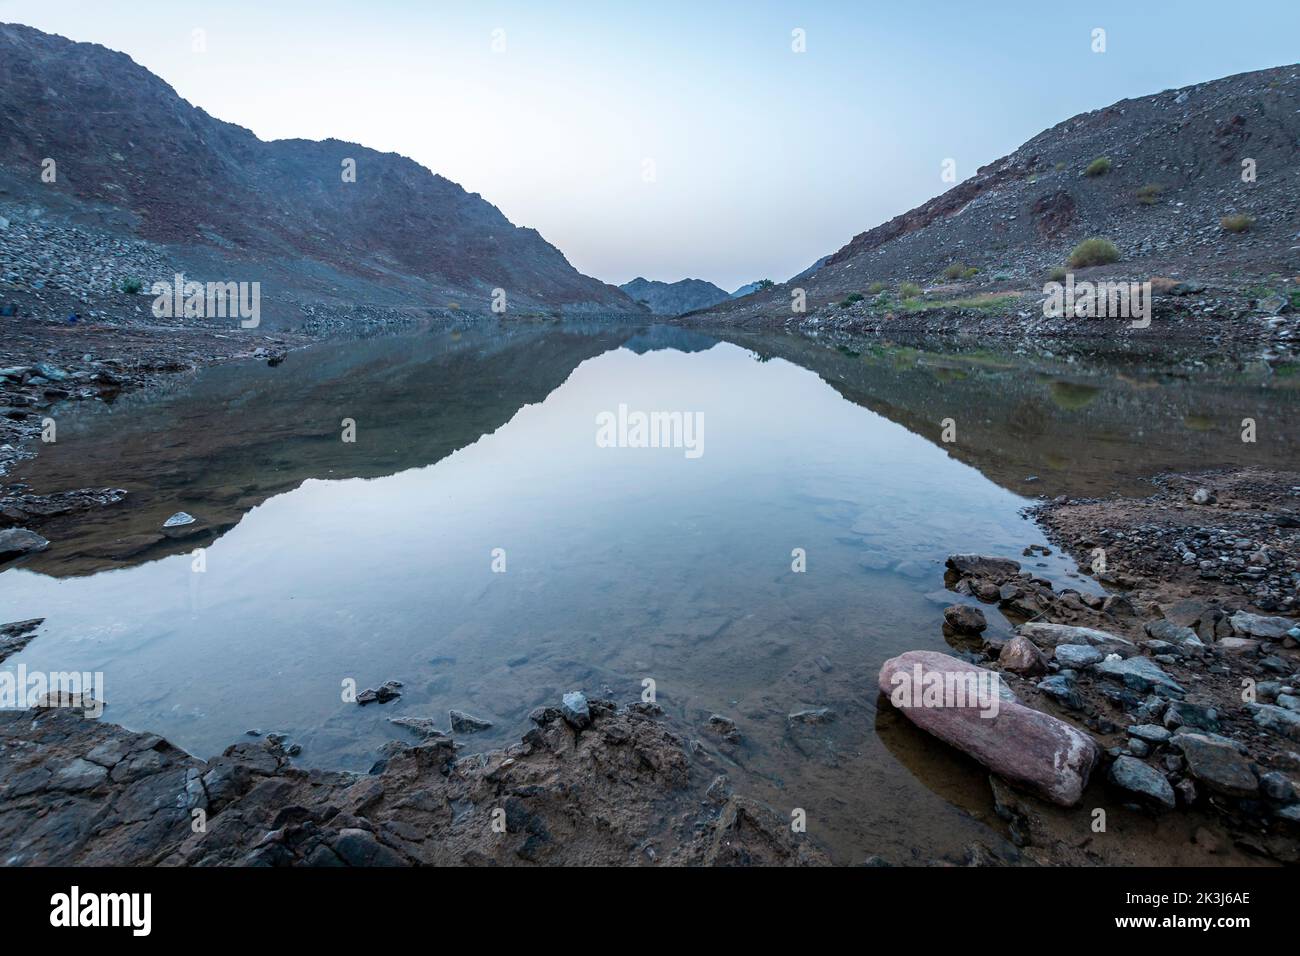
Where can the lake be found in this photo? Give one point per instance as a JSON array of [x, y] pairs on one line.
[[479, 544]]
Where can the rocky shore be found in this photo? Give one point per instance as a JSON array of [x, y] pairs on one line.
[[1182, 680], [591, 784]]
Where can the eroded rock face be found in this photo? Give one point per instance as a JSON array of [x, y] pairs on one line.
[[1028, 748], [75, 791]]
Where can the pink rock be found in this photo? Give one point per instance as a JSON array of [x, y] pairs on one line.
[[1020, 656], [1030, 749]]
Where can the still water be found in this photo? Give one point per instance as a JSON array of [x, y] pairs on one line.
[[381, 559]]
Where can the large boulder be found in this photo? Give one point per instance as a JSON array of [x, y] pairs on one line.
[[959, 703]]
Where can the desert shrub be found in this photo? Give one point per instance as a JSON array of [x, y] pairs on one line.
[[970, 273], [1149, 194], [1098, 167], [954, 271], [1093, 252], [876, 288], [132, 286], [1057, 274], [850, 299], [1236, 223], [881, 301], [909, 290]]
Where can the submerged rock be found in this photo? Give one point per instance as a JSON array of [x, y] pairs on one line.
[[380, 695], [463, 723], [16, 542], [725, 728], [1027, 748], [965, 619], [426, 728], [983, 566], [14, 637], [819, 715], [179, 520]]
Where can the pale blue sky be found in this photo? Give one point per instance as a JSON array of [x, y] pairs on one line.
[[765, 159]]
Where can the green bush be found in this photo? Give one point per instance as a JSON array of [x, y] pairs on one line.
[[1093, 252], [1238, 223], [1098, 167], [909, 290], [850, 299], [132, 286], [970, 273], [1058, 274], [954, 271], [1149, 194], [876, 288]]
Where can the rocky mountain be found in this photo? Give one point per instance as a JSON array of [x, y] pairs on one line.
[[1199, 183], [673, 298], [133, 158]]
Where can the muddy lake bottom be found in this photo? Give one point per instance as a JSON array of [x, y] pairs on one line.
[[477, 543]]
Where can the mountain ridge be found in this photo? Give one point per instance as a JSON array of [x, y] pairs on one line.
[[129, 150]]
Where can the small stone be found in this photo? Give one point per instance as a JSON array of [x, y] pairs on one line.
[[1277, 786], [1151, 733], [1020, 656], [1077, 655], [575, 709], [822, 715], [725, 728], [1132, 775]]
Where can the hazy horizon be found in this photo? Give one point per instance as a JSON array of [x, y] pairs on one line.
[[764, 159]]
